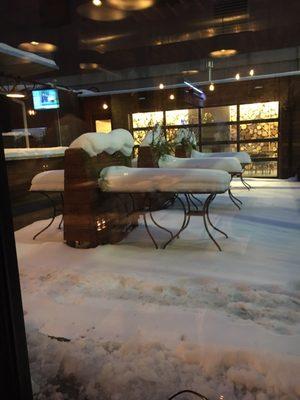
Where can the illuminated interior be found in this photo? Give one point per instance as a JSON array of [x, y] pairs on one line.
[[246, 127]]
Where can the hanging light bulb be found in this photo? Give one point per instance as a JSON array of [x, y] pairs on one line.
[[104, 106], [161, 86], [211, 87], [172, 97], [97, 3], [31, 112], [237, 76], [251, 72]]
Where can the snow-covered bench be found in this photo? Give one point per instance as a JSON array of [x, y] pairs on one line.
[[243, 157], [118, 179], [228, 164], [45, 183]]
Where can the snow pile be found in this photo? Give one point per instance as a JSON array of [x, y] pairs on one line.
[[23, 153], [153, 137], [242, 156], [228, 164], [95, 143], [124, 179], [87, 369], [128, 321]]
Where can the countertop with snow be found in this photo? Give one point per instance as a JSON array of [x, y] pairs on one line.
[[33, 152], [178, 180], [129, 319]]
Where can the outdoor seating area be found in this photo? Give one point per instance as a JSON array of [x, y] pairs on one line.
[[150, 191]]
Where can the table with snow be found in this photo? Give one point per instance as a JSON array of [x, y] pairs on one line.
[[46, 183], [147, 158], [96, 209]]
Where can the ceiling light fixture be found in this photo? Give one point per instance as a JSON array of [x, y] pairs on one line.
[[237, 76], [223, 53], [251, 72], [31, 112], [15, 95], [172, 97], [104, 106], [131, 5], [89, 66], [97, 3], [211, 87], [190, 72], [37, 47], [161, 86]]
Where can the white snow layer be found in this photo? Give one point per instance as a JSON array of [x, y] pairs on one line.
[[228, 164], [242, 156], [94, 142], [144, 323], [124, 179], [34, 152], [50, 181]]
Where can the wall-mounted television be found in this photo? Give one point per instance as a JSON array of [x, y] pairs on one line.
[[45, 99]]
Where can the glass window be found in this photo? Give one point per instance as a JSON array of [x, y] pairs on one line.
[[147, 119], [171, 133], [182, 117], [260, 149], [219, 133], [260, 130], [103, 125], [218, 114], [138, 136], [214, 148], [261, 168], [259, 110]]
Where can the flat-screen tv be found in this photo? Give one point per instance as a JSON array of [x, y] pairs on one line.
[[45, 99]]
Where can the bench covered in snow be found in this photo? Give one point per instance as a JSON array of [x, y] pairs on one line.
[[228, 164], [243, 157], [48, 181], [179, 180]]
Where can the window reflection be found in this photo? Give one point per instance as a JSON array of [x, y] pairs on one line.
[[219, 133], [218, 114], [182, 117], [147, 119], [259, 110]]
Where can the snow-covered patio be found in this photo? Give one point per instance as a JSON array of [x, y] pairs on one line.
[[127, 321]]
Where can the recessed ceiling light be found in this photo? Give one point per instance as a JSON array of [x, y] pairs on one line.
[[97, 3], [223, 53], [131, 5], [161, 86], [38, 47], [89, 66], [15, 95]]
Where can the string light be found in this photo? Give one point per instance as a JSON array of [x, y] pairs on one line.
[[251, 72], [237, 76], [31, 112], [211, 87], [172, 97], [161, 86], [104, 106]]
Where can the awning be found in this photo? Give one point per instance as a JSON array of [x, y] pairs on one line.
[[19, 63]]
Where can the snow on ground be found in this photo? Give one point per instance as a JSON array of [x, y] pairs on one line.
[[128, 321]]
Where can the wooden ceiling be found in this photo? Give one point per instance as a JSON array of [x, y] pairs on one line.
[[169, 31]]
